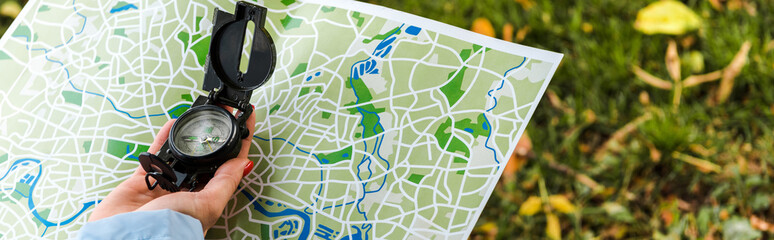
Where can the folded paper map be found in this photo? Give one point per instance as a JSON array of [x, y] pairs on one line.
[[376, 124]]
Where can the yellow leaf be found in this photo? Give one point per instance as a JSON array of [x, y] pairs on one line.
[[701, 150], [650, 79], [522, 33], [519, 157], [508, 32], [561, 204], [483, 26], [618, 136], [526, 4], [10, 9], [489, 228], [531, 206], [723, 215], [703, 165], [673, 61], [734, 4], [761, 224], [716, 5], [731, 71], [694, 80], [557, 103], [586, 180], [666, 17], [644, 98], [553, 229], [587, 27], [590, 116], [742, 163]]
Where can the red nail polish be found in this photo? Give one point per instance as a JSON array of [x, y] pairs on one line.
[[252, 106], [248, 168]]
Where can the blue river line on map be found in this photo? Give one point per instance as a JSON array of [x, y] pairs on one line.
[[32, 182]]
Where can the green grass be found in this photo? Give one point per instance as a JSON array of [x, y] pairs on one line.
[[642, 194], [5, 21]]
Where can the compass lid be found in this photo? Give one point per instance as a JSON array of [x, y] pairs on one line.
[[226, 50]]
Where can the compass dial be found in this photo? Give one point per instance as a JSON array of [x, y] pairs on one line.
[[202, 132]]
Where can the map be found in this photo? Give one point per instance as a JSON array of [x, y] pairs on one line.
[[376, 123]]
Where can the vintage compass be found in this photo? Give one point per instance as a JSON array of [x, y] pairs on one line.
[[206, 135]]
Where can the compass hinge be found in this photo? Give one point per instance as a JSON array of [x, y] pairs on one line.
[[236, 99]]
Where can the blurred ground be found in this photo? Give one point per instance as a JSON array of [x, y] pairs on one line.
[[632, 158], [665, 136], [8, 11]]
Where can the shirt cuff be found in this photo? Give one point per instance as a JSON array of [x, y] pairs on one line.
[[158, 224]]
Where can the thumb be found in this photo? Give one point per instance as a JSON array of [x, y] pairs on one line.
[[219, 190], [226, 180], [206, 205]]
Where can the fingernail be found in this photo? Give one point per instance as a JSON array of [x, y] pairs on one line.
[[248, 168], [252, 106]]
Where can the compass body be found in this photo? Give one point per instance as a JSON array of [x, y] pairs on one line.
[[206, 135]]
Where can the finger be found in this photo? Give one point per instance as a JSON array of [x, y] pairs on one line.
[[158, 142], [127, 197], [222, 186], [247, 142], [161, 137], [207, 204], [228, 108], [251, 121]]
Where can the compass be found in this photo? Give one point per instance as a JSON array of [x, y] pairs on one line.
[[202, 132], [207, 135]]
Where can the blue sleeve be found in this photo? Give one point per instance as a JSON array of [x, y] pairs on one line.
[[159, 224]]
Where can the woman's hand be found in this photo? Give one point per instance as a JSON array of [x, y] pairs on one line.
[[205, 205]]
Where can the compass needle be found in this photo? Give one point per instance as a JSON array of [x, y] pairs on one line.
[[190, 138]]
